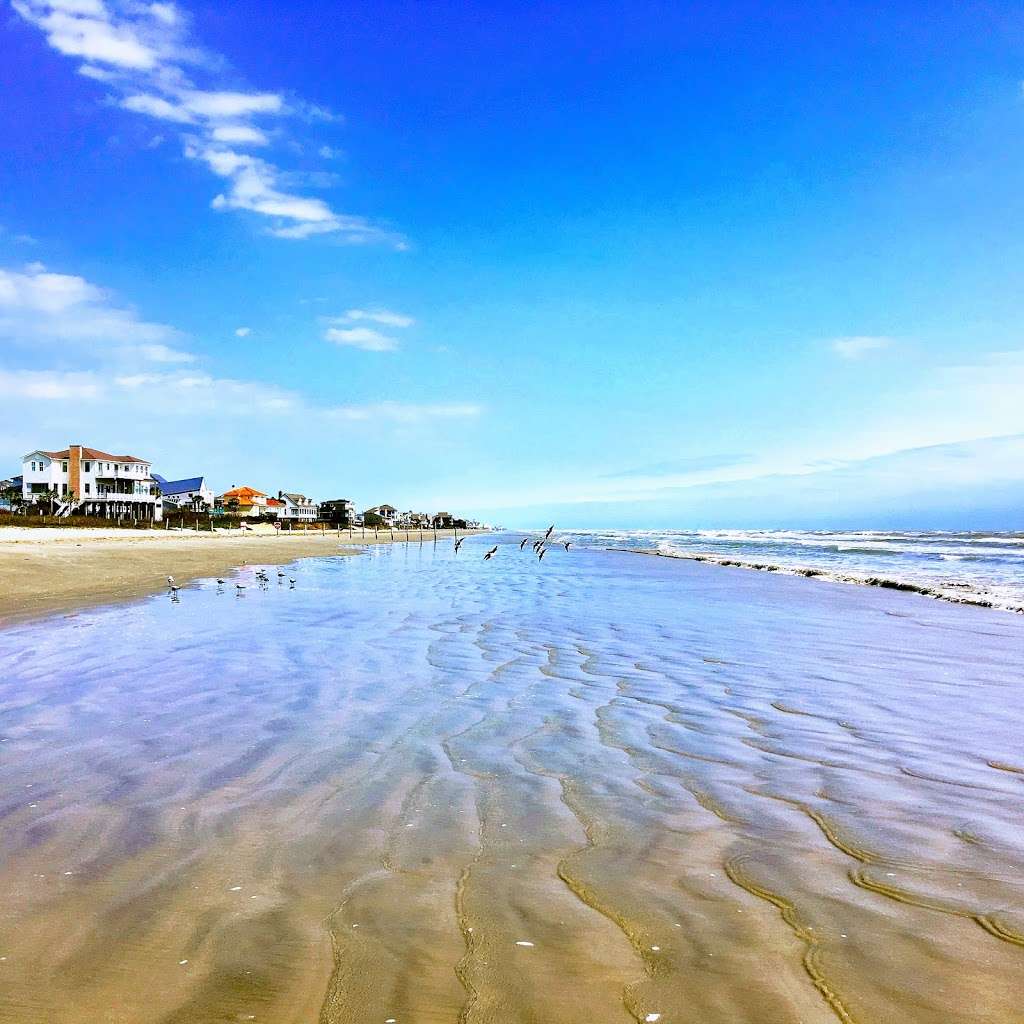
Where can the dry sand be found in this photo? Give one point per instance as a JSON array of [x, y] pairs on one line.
[[58, 569]]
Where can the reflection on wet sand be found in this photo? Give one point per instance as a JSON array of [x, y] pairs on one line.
[[422, 787]]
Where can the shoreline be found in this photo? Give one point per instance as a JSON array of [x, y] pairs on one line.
[[827, 576], [52, 571]]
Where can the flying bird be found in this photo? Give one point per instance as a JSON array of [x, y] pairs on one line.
[[567, 543], [551, 529], [458, 543], [543, 552], [490, 554], [522, 543]]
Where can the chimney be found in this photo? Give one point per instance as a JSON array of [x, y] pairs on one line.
[[75, 470]]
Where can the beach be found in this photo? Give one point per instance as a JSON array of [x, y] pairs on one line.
[[416, 786], [52, 569]]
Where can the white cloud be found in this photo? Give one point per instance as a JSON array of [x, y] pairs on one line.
[[365, 338], [231, 105], [82, 29], [157, 106], [243, 332], [855, 346], [164, 354], [48, 385], [380, 316], [239, 134], [36, 304], [142, 53]]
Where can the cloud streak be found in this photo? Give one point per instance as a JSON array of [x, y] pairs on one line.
[[144, 55], [858, 346], [347, 329]]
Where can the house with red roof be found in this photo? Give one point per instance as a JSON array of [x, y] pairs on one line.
[[90, 481]]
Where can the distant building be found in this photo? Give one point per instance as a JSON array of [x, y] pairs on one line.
[[414, 521], [341, 511], [275, 506], [443, 521], [298, 508], [243, 501], [388, 514], [91, 482], [186, 493], [9, 489]]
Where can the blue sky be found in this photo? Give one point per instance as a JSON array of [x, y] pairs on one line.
[[630, 264]]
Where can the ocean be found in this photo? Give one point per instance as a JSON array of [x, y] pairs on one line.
[[418, 786], [983, 568]]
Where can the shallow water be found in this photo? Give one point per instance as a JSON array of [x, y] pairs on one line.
[[423, 787], [985, 568]]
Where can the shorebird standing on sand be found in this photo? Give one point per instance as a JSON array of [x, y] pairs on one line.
[[490, 554], [170, 581]]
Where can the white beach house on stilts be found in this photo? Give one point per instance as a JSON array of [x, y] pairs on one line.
[[88, 481]]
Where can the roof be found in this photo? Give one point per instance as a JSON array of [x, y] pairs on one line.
[[169, 487], [88, 453], [243, 492], [273, 502], [337, 501], [297, 499]]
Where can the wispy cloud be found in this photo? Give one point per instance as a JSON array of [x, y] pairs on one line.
[[859, 345], [365, 338], [342, 332], [677, 467], [243, 332], [37, 305], [380, 316], [146, 57]]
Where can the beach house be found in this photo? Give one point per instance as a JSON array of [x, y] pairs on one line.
[[338, 510], [243, 501], [387, 514], [90, 482], [193, 492], [297, 508]]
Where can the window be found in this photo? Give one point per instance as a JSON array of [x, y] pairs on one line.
[[63, 467], [87, 466], [86, 488], [64, 489], [33, 467]]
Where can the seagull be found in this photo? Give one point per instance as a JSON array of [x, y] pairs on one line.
[[551, 529], [567, 543], [490, 554], [522, 543], [543, 552], [458, 543]]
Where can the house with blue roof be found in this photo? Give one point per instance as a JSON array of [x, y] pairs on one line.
[[184, 493]]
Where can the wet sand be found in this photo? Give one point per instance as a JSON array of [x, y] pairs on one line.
[[45, 570], [420, 787]]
